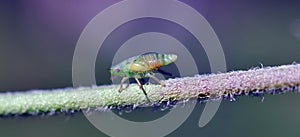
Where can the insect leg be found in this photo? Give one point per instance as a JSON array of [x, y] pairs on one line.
[[121, 85], [157, 80], [141, 87], [139, 83]]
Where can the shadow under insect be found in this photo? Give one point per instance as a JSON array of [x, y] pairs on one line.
[[144, 114]]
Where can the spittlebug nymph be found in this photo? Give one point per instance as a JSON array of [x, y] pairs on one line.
[[141, 66]]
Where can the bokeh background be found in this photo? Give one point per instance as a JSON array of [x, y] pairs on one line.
[[38, 38]]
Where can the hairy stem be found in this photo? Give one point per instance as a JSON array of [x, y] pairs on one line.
[[259, 80]]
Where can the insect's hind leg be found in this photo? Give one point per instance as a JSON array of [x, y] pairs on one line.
[[121, 85], [156, 79], [141, 87]]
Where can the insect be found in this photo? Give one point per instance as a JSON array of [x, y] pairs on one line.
[[141, 66]]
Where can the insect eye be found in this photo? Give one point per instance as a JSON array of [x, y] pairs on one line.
[[117, 70]]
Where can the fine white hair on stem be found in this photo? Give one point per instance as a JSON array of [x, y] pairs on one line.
[[209, 86]]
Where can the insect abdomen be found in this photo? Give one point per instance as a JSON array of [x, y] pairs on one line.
[[168, 58], [148, 62]]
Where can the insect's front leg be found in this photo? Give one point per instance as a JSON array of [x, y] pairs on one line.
[[121, 85], [139, 83], [156, 79], [141, 87]]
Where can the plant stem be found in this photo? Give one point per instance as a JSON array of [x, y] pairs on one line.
[[256, 81]]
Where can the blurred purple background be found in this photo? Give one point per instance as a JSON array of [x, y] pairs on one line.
[[38, 38]]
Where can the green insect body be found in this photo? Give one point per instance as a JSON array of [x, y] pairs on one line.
[[141, 66]]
